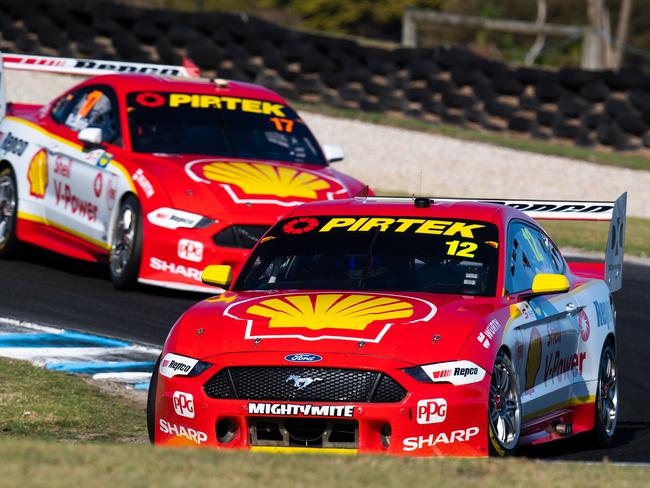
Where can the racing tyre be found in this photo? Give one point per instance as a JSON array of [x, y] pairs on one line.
[[151, 402], [8, 212], [126, 248], [504, 408], [606, 397]]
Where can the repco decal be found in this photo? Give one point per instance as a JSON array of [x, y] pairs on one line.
[[345, 316]]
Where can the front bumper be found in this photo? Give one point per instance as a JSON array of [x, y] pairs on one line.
[[433, 419], [175, 258]]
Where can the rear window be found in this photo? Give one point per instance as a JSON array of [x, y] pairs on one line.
[[375, 253]]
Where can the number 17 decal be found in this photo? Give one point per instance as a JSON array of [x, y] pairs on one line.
[[282, 125]]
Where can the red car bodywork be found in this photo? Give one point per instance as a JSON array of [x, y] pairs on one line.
[[432, 418], [163, 181]]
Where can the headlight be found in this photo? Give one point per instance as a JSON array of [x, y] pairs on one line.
[[454, 372], [177, 365], [171, 218]]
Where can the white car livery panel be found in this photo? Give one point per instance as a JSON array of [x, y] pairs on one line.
[[61, 184]]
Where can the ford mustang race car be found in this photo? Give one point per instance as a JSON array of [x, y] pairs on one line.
[[404, 326], [157, 176]]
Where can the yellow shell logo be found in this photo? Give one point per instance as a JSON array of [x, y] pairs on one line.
[[37, 174], [353, 312], [265, 179]]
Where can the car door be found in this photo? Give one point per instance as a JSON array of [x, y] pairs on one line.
[[79, 198], [550, 336]]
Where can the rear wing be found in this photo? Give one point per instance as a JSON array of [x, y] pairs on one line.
[[603, 211], [91, 67]]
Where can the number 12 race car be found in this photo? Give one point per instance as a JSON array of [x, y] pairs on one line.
[[405, 326], [157, 176]]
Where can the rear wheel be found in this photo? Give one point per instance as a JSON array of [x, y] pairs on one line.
[[504, 408], [8, 212], [151, 403], [126, 247], [606, 397]]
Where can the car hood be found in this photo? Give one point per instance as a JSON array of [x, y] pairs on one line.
[[416, 328], [212, 186]]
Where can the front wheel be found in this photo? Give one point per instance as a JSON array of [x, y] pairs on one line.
[[8, 212], [126, 246], [504, 408], [606, 398]]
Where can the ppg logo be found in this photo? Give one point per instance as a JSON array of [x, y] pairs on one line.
[[184, 404], [432, 411]]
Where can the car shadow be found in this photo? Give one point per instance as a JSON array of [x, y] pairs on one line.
[[582, 447], [38, 256]]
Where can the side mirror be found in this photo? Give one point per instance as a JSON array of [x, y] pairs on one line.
[[547, 284], [217, 275], [333, 153], [91, 136]]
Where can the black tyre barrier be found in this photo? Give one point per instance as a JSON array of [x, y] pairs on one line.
[[484, 91], [584, 138], [520, 124], [612, 135], [450, 84], [506, 84], [456, 100], [549, 91], [575, 78], [529, 103], [546, 118], [594, 91], [499, 109], [632, 124], [439, 86], [592, 120], [615, 107], [205, 53], [564, 129], [572, 106], [146, 31]]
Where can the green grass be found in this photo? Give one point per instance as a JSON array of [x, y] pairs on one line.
[[44, 404], [521, 143], [592, 236], [38, 463]]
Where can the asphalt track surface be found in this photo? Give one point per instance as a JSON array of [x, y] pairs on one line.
[[48, 289]]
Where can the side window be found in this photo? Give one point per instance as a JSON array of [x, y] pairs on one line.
[[94, 108], [62, 106], [529, 252]]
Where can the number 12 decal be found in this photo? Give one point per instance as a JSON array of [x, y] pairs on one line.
[[461, 249]]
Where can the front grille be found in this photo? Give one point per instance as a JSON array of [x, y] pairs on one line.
[[241, 236], [328, 385]]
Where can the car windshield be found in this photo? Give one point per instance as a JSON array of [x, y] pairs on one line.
[[184, 123], [375, 253]]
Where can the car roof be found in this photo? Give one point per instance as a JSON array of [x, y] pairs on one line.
[[387, 206], [141, 82]]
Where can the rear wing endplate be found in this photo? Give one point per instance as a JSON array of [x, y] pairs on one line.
[[91, 67]]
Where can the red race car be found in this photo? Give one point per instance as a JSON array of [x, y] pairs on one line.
[[157, 176], [404, 326]]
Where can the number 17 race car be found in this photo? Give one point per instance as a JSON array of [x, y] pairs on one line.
[[403, 326], [157, 176]]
